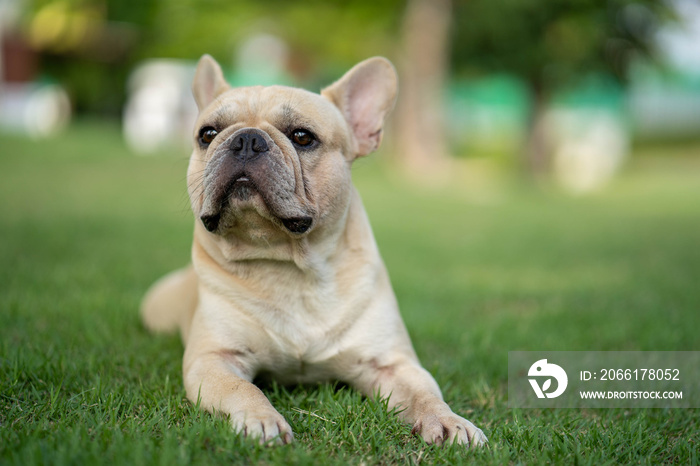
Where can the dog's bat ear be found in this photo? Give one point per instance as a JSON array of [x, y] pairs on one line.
[[365, 95], [208, 82]]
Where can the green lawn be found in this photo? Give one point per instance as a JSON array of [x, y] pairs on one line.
[[86, 227]]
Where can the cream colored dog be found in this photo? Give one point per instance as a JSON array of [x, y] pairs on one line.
[[286, 278]]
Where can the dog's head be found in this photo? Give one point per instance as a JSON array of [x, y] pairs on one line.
[[276, 160]]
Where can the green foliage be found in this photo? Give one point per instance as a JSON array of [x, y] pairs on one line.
[[324, 38], [552, 43], [87, 227], [318, 32]]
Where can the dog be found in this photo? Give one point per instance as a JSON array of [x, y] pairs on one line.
[[286, 278]]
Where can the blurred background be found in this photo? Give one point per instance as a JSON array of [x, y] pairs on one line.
[[560, 93], [538, 189]]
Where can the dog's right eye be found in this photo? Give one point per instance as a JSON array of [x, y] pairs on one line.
[[207, 135]]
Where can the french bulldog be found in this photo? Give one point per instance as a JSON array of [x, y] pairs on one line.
[[286, 278]]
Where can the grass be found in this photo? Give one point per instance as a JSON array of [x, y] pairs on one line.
[[86, 228]]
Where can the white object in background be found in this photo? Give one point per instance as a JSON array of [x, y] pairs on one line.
[[262, 60], [34, 109], [160, 111], [589, 147]]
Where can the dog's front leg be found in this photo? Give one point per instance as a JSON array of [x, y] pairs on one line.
[[414, 392], [218, 380]]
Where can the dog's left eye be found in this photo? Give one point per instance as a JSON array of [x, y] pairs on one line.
[[302, 138], [207, 135]]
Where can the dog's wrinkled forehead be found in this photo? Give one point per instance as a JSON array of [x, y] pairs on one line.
[[283, 108]]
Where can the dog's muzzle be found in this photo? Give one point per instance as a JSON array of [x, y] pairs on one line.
[[249, 162]]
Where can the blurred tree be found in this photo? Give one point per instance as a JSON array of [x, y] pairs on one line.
[[551, 45], [335, 34], [89, 47], [421, 140]]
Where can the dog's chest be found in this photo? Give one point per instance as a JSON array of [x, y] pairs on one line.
[[288, 321], [302, 324]]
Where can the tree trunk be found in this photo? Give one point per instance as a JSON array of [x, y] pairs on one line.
[[537, 156], [421, 142]]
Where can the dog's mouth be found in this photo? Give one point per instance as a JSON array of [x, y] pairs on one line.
[[298, 225], [242, 187]]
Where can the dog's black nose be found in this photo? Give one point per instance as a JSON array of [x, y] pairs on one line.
[[248, 145]]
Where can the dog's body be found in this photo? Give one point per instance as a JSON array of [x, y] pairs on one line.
[[286, 276]]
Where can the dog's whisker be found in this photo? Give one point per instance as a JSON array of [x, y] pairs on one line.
[[198, 181]]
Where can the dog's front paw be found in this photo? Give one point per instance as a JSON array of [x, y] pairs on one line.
[[448, 428], [265, 425]]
